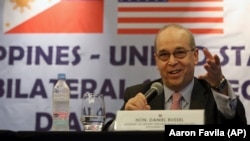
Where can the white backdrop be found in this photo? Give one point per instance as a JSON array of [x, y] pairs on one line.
[[102, 61]]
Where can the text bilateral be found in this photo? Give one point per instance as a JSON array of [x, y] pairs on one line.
[[11, 88]]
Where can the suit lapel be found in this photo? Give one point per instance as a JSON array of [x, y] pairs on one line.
[[199, 96]]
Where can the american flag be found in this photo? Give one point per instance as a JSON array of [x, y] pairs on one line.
[[147, 16]]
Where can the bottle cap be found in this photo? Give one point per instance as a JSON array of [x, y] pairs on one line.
[[61, 76]]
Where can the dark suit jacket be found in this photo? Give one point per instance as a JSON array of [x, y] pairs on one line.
[[201, 98]]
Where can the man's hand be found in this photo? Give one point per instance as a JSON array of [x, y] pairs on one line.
[[213, 67], [139, 102]]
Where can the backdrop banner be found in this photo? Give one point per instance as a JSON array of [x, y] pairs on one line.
[[104, 46]]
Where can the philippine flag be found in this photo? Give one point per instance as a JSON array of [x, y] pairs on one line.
[[53, 16]]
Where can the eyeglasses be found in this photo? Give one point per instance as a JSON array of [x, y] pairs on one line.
[[179, 54]]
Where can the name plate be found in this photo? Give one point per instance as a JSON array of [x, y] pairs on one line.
[[155, 120]]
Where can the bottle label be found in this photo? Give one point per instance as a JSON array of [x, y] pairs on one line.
[[61, 115]]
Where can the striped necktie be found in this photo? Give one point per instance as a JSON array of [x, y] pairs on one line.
[[176, 97]]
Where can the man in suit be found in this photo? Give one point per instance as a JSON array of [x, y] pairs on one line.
[[176, 56]]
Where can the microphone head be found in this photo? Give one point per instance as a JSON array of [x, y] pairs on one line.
[[158, 87]]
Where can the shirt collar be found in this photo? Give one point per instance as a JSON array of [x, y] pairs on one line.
[[186, 92]]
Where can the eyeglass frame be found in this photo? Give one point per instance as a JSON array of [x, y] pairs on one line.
[[184, 51]]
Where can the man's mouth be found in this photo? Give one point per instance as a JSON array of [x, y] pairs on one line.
[[174, 71]]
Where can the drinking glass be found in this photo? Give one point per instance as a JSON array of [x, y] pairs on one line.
[[93, 112]]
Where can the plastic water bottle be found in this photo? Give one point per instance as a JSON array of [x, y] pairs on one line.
[[61, 97]]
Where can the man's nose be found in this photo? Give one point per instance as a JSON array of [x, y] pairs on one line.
[[172, 60]]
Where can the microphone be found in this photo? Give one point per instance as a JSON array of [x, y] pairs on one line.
[[155, 89]]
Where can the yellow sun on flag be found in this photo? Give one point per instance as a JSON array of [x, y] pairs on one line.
[[21, 4]]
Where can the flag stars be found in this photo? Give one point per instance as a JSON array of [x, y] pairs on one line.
[[21, 4]]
